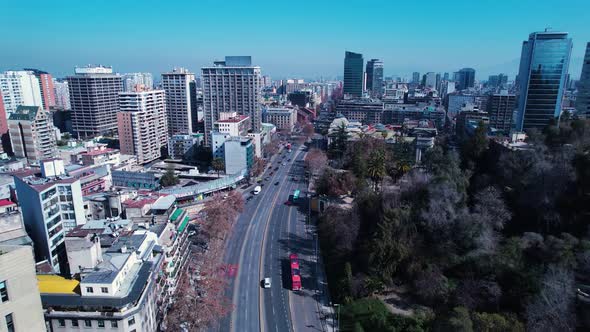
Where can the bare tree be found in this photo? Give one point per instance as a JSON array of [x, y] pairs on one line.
[[316, 160], [553, 308], [257, 167]]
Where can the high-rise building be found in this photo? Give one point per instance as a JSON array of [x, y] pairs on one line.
[[131, 80], [445, 76], [51, 206], [500, 110], [416, 77], [466, 78], [62, 95], [196, 95], [233, 85], [3, 126], [46, 86], [178, 100], [32, 135], [375, 77], [543, 66], [142, 124], [94, 98], [20, 88], [497, 81], [353, 74], [583, 98], [430, 80]]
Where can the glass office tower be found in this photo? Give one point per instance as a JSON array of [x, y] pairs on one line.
[[583, 98], [542, 76], [353, 74]]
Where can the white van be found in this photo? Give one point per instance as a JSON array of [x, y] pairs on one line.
[[257, 190], [267, 282]]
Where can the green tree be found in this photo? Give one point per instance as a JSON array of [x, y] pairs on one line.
[[474, 147], [392, 243], [358, 327], [218, 165], [376, 167], [493, 322], [169, 178], [460, 320], [339, 143]]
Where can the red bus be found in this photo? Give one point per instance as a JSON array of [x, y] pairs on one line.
[[295, 274]]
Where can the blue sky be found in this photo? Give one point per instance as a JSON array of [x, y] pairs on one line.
[[286, 38]]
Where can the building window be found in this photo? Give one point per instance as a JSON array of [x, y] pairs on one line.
[[114, 323], [9, 323], [131, 321], [89, 290], [100, 323], [61, 322], [87, 323], [3, 292], [75, 323], [104, 289]]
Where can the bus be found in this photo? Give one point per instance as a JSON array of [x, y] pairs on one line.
[[296, 195], [295, 273]]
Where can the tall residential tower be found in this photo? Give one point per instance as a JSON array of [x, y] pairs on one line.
[[142, 124], [178, 100], [233, 85], [94, 98]]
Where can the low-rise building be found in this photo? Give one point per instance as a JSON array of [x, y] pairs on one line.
[[182, 146], [397, 114], [467, 118], [232, 123], [366, 111], [117, 288], [137, 180], [20, 303], [239, 154], [284, 118], [98, 155]]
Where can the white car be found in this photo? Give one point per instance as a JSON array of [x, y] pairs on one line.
[[267, 282]]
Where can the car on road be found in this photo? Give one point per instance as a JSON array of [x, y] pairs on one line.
[[289, 159], [277, 183], [277, 168], [266, 282]]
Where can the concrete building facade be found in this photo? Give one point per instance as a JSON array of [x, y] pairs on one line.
[[32, 134], [20, 88], [94, 99], [142, 124], [178, 100], [51, 205], [20, 302], [233, 85], [238, 154], [500, 110], [282, 117]]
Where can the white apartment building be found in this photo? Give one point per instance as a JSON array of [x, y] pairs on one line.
[[142, 124], [20, 88], [178, 100], [51, 205]]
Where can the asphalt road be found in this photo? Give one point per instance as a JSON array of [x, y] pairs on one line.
[[263, 237]]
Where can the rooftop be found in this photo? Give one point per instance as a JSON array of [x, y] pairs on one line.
[[235, 119], [24, 113], [53, 284]]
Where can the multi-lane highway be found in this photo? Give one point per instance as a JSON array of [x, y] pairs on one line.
[[263, 237]]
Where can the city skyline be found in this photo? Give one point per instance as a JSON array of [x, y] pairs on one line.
[[159, 37]]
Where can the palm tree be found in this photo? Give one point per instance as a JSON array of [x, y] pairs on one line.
[[376, 167]]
